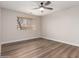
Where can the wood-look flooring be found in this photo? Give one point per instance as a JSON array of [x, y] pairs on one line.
[[40, 48]]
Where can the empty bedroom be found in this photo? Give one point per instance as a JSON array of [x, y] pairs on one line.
[[39, 29]]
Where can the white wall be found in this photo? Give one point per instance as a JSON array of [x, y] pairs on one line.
[[62, 26], [0, 31], [10, 32]]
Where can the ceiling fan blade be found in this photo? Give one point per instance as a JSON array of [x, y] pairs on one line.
[[48, 8], [47, 3]]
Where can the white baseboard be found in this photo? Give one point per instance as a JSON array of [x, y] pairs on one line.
[[74, 44], [19, 40], [70, 43]]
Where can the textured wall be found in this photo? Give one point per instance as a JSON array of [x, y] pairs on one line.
[[62, 26], [0, 30], [10, 32]]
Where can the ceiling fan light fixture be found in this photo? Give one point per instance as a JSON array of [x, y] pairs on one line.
[[41, 9]]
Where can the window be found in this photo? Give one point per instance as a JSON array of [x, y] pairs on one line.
[[24, 23]]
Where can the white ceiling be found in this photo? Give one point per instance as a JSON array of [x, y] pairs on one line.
[[27, 6]]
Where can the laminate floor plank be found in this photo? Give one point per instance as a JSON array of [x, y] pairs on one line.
[[39, 48]]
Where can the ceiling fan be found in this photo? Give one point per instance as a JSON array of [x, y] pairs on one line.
[[43, 6]]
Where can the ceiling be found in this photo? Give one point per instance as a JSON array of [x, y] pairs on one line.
[[27, 6]]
